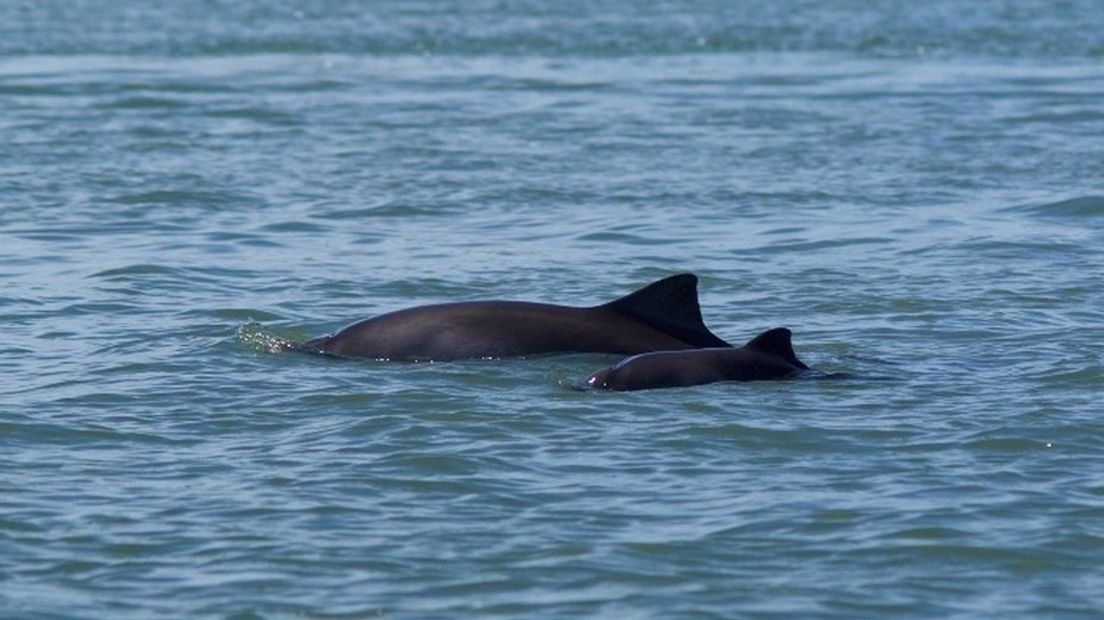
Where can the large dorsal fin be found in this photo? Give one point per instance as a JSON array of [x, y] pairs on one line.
[[671, 306], [776, 342]]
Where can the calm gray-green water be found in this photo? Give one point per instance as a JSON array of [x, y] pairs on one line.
[[916, 190]]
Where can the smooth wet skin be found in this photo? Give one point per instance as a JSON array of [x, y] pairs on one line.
[[663, 316], [767, 356]]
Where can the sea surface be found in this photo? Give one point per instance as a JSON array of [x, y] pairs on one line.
[[915, 189]]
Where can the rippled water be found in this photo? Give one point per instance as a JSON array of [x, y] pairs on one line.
[[915, 191]]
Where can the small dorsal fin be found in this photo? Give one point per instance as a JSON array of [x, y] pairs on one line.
[[671, 306], [776, 342]]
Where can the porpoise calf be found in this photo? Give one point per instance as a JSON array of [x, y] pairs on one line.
[[769, 355]]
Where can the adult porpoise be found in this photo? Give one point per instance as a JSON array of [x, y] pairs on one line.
[[769, 355], [662, 316]]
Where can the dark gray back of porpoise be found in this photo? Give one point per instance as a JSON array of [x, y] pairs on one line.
[[662, 316], [769, 355]]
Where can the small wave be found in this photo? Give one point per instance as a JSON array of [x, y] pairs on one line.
[[252, 335], [259, 115], [249, 315], [143, 103], [182, 198], [1081, 208], [137, 269]]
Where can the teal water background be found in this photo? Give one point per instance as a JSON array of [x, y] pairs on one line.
[[916, 191]]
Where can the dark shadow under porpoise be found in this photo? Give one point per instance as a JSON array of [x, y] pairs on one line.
[[663, 316], [769, 355]]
